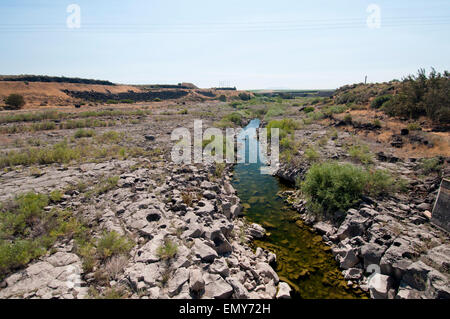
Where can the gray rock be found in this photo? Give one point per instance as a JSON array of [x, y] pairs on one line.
[[257, 231], [371, 254], [349, 260], [353, 274], [323, 228], [264, 270], [216, 287], [240, 292], [196, 281], [203, 251], [379, 286], [284, 291], [180, 276], [219, 266]]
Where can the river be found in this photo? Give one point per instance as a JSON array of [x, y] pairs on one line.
[[303, 260]]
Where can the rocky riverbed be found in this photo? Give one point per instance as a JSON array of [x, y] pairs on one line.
[[190, 208], [388, 247]]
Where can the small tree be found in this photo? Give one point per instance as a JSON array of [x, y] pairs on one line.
[[14, 101]]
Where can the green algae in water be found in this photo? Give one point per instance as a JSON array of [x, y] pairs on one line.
[[303, 260]]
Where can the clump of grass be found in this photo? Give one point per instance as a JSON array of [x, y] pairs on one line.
[[311, 155], [110, 137], [111, 244], [431, 165], [361, 153], [414, 127], [219, 169], [183, 112], [187, 198], [106, 185], [56, 196], [286, 127], [28, 231], [80, 133], [167, 250], [348, 119], [275, 110]]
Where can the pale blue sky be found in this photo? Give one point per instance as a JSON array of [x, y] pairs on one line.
[[253, 44]]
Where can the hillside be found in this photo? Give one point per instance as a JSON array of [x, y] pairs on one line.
[[63, 94]]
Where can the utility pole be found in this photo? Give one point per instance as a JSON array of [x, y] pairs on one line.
[[365, 81]]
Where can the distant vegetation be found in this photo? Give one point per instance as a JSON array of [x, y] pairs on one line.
[[45, 78], [421, 95], [14, 101], [414, 96]]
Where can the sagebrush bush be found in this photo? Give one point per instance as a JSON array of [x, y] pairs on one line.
[[361, 153], [332, 187], [111, 244], [422, 95], [14, 101], [80, 133], [286, 126], [379, 101]]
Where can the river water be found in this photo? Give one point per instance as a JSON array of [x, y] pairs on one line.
[[303, 260]]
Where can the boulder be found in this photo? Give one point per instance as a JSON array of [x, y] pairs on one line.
[[371, 254], [196, 281], [180, 277], [353, 274], [216, 287], [203, 251], [323, 228], [379, 286], [264, 270], [240, 292], [257, 231], [219, 266], [284, 291], [349, 260]]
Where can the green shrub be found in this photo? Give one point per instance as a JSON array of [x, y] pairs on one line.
[[275, 110], [245, 96], [311, 155], [157, 99], [236, 118], [286, 126], [14, 101], [56, 196], [27, 231], [222, 98], [127, 101], [414, 127], [348, 119], [168, 250], [379, 101], [332, 187], [431, 165], [308, 109], [183, 112], [112, 102], [80, 133], [361, 153], [111, 243], [422, 95]]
